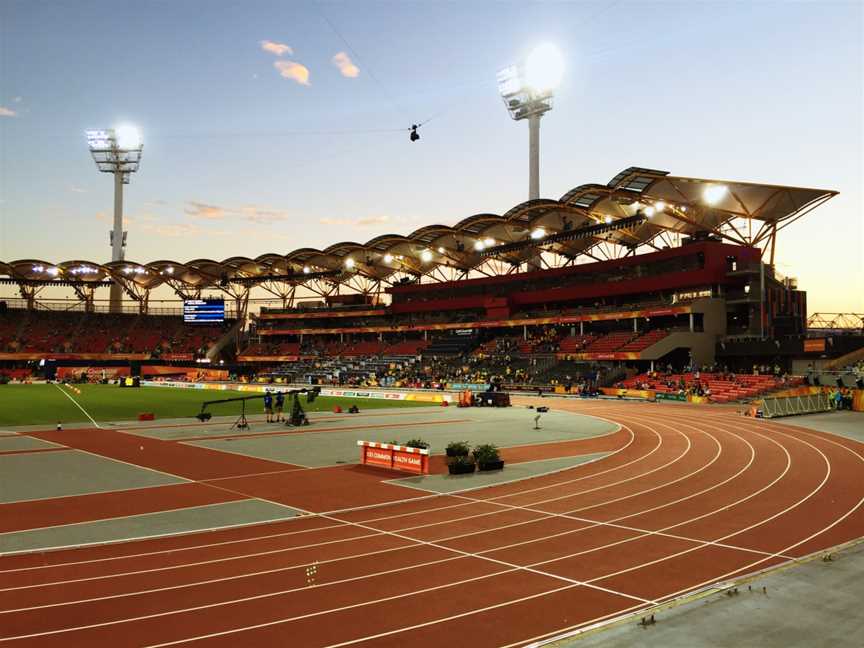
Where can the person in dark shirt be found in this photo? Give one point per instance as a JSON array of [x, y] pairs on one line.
[[280, 405], [268, 406]]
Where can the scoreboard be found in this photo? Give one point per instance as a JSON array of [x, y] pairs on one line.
[[204, 311]]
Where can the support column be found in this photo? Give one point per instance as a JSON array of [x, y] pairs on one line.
[[116, 294], [691, 322], [581, 328], [635, 325], [534, 157]]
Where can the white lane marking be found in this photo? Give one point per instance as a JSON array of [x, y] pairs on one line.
[[741, 531], [78, 406]]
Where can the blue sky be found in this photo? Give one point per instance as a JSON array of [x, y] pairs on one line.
[[240, 159]]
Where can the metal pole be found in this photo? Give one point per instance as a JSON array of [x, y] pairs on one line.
[[761, 300], [116, 297], [534, 157]]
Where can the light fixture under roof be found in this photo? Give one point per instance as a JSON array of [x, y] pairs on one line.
[[538, 233], [349, 263], [713, 194], [388, 258], [426, 256], [306, 269], [479, 246]]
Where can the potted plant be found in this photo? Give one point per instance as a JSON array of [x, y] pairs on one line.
[[487, 457], [417, 443], [458, 449], [461, 465]]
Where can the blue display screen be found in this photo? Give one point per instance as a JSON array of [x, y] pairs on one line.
[[204, 311]]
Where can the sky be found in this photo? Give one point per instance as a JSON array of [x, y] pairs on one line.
[[270, 126]]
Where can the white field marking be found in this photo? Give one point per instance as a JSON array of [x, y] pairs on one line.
[[273, 535], [308, 513], [617, 543], [511, 568], [452, 550], [543, 515], [123, 517], [591, 581], [746, 567], [171, 551], [78, 406], [411, 546], [255, 538], [267, 552]]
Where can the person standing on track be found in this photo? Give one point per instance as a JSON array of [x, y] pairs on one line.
[[280, 405], [268, 406]]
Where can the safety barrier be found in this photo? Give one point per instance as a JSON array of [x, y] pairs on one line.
[[394, 457], [795, 405]]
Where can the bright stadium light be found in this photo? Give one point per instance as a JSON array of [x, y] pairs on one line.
[[441, 250], [649, 212], [527, 91], [479, 246], [608, 219], [128, 137], [488, 241], [349, 263], [538, 233], [660, 205], [426, 256], [713, 194], [388, 258], [544, 68], [306, 269], [116, 151]]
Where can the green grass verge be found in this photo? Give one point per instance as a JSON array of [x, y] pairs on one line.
[[41, 404]]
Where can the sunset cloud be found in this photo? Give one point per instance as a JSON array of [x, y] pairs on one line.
[[204, 211], [360, 223], [294, 71], [276, 48], [7, 112], [346, 65]]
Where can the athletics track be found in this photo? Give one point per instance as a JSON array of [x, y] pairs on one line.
[[691, 496]]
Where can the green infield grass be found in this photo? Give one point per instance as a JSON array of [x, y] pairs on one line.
[[40, 404]]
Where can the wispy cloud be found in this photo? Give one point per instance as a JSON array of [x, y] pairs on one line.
[[346, 65], [294, 71], [276, 48], [173, 230], [204, 211], [359, 223], [7, 112], [77, 189], [261, 215]]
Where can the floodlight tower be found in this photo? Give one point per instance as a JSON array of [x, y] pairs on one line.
[[117, 151], [527, 90]]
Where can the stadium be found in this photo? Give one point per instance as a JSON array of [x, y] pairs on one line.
[[601, 419]]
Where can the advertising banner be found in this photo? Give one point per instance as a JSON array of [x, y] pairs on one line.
[[816, 345]]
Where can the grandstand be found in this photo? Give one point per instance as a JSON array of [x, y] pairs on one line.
[[647, 271]]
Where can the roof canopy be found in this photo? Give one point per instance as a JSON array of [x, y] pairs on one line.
[[665, 205]]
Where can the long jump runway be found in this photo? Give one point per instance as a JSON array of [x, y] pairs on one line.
[[696, 496]]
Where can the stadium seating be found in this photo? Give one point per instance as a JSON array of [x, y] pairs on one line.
[[724, 388], [609, 342], [644, 341]]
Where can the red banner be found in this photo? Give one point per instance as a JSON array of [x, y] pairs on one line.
[[394, 457]]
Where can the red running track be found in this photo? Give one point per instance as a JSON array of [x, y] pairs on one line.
[[695, 497]]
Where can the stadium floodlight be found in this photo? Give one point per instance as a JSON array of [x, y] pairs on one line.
[[388, 258], [349, 263], [538, 233], [488, 241], [608, 219], [649, 211], [426, 256], [714, 193], [527, 91], [306, 269], [116, 151], [660, 205], [441, 250], [479, 246]]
